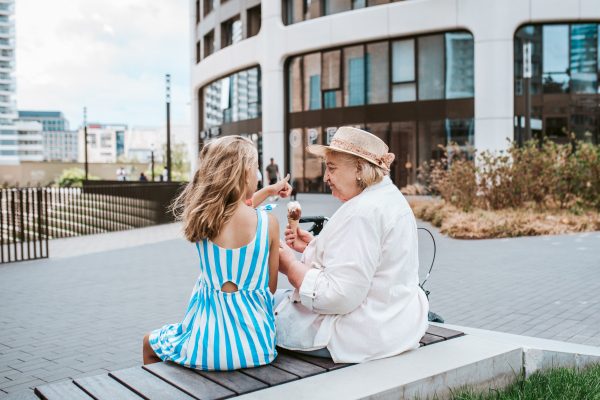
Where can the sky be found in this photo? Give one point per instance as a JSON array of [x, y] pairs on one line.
[[108, 55]]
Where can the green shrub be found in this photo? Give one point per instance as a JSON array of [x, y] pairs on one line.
[[72, 177], [545, 174]]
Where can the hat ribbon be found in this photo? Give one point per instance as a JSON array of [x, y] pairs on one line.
[[384, 161]]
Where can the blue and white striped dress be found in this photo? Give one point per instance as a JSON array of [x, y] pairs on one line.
[[226, 331]]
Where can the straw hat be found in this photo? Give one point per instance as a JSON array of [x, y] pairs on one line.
[[357, 142]]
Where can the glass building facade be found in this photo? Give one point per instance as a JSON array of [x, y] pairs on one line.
[[295, 11], [232, 106], [416, 94], [60, 146], [564, 86]]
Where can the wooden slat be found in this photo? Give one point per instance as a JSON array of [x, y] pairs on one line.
[[443, 332], [61, 391], [23, 395], [430, 339], [270, 375], [296, 366], [322, 362], [147, 385], [233, 380], [193, 384], [103, 387]]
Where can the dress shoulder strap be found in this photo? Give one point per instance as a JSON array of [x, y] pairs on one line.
[[263, 225]]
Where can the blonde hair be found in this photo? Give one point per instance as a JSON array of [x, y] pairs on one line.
[[368, 172], [210, 199]]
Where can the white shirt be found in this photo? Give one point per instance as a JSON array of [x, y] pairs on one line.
[[360, 299], [121, 174]]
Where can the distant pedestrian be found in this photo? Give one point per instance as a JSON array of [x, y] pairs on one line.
[[121, 174], [165, 174], [143, 177], [273, 175]]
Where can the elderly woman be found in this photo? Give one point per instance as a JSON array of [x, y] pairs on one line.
[[357, 296]]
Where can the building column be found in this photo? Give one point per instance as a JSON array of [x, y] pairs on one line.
[[273, 112], [493, 24], [494, 95]]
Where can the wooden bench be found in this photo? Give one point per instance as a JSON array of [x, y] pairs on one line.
[[169, 381]]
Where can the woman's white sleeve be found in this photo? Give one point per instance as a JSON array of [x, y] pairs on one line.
[[351, 257]]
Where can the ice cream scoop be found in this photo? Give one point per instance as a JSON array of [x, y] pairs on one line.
[[294, 214]]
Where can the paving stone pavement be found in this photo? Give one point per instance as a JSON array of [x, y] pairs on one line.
[[85, 310]]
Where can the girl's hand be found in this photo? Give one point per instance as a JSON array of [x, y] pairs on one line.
[[286, 257], [304, 238], [281, 188]]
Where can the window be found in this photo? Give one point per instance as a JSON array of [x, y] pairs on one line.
[[197, 11], [231, 32], [234, 98], [209, 43], [431, 67], [377, 67], [312, 79], [332, 93], [368, 75], [584, 58], [403, 71], [556, 59], [337, 6], [564, 87], [198, 56], [459, 65], [354, 79], [254, 19], [8, 142], [92, 140], [295, 84], [209, 5]]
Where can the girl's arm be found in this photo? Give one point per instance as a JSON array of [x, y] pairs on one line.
[[273, 252]]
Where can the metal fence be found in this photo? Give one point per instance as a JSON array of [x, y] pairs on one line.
[[32, 216], [23, 224]]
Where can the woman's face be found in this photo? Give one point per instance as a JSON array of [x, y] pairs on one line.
[[252, 180], [342, 178]]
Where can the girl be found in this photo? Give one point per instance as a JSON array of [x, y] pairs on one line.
[[229, 323]]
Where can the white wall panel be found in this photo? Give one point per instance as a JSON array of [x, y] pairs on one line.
[[492, 19], [413, 17], [555, 10], [308, 35], [357, 26], [590, 8]]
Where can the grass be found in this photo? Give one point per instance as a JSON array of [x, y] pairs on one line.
[[512, 222], [557, 383]]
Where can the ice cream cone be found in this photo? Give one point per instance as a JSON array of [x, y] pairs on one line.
[[293, 223]]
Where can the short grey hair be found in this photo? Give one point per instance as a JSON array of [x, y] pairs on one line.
[[369, 173]]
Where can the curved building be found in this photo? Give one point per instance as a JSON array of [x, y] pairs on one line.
[[416, 73]]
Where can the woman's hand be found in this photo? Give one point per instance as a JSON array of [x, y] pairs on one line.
[[286, 257], [304, 238], [281, 188]]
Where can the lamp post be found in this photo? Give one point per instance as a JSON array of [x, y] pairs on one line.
[[152, 160], [85, 141], [527, 73], [168, 128]]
